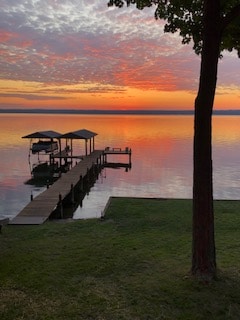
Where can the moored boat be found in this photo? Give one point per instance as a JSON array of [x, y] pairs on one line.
[[44, 146]]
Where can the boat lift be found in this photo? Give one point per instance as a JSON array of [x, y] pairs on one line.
[[49, 143]]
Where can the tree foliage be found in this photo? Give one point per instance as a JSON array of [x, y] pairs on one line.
[[186, 17]]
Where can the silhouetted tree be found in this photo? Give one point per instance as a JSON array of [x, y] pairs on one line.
[[212, 25]]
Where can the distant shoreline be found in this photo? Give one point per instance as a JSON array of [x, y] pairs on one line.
[[115, 112]]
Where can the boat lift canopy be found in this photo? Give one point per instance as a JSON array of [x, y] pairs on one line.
[[81, 134], [43, 135]]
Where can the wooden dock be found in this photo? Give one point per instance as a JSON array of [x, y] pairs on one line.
[[41, 207]]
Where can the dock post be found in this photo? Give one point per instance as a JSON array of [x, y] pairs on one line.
[[88, 178], [100, 163], [72, 193], [94, 169], [81, 183], [31, 197], [60, 205], [87, 181], [130, 156]]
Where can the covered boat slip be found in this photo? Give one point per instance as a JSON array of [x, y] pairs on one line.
[[59, 150], [82, 134], [51, 141], [46, 141]]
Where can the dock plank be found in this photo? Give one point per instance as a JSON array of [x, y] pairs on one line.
[[28, 220]]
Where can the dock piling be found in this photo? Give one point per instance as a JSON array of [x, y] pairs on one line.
[[81, 183], [60, 204], [72, 193]]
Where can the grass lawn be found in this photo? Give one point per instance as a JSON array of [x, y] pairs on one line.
[[134, 265]]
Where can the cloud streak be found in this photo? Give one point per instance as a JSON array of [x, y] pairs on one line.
[[31, 96]]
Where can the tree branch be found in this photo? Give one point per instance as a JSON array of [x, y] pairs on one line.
[[234, 13]]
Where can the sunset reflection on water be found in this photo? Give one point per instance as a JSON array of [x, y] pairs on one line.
[[161, 157]]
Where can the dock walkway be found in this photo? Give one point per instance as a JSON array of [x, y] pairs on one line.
[[41, 207]]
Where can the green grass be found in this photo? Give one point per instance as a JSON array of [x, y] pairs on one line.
[[134, 265]]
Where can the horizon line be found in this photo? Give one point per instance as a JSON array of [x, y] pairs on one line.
[[118, 112]]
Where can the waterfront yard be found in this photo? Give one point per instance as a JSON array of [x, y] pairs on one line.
[[133, 265]]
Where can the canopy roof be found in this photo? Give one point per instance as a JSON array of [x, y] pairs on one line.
[[43, 135], [79, 134]]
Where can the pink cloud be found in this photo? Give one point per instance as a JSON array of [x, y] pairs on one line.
[[62, 42]]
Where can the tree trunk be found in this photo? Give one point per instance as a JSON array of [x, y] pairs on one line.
[[203, 244]]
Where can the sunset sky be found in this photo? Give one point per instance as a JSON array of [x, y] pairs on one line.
[[80, 54]]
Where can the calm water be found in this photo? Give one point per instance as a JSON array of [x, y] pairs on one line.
[[161, 159]]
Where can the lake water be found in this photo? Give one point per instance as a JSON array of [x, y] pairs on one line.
[[161, 157]]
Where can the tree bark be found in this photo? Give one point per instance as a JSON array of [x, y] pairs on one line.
[[203, 242]]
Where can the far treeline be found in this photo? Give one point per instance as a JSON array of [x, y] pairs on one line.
[[227, 112]]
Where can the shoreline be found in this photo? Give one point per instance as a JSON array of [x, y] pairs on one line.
[[130, 198], [224, 112]]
